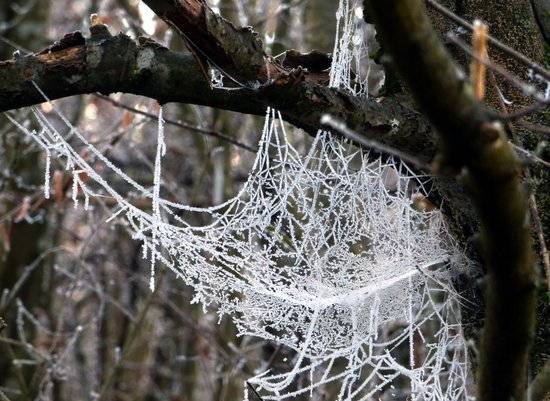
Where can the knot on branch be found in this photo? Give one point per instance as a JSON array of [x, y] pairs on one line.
[[99, 32]]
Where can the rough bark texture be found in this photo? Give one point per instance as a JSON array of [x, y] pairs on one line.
[[477, 147], [214, 40], [107, 64]]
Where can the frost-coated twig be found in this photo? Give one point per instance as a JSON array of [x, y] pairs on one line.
[[530, 156], [341, 127]]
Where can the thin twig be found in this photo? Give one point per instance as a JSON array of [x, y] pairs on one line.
[[20, 378], [534, 127], [23, 277], [527, 89], [341, 128], [179, 124], [254, 390], [497, 43], [516, 115], [530, 156]]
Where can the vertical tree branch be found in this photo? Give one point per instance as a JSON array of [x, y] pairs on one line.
[[477, 147]]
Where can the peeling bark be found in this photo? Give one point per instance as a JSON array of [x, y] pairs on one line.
[[214, 40]]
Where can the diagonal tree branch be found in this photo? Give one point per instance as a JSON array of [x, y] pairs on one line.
[[236, 51], [106, 64], [476, 146]]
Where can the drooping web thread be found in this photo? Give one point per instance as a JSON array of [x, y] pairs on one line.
[[322, 251]]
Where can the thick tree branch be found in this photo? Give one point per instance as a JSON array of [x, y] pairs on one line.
[[476, 146], [236, 51], [117, 64], [108, 64]]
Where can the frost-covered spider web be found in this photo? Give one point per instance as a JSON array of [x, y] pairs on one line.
[[323, 252]]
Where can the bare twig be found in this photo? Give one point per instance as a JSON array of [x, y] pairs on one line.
[[478, 69], [519, 114], [541, 129], [530, 156], [355, 137], [527, 89], [27, 271], [497, 43], [18, 372], [180, 124]]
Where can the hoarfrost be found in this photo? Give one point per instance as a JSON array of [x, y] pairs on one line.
[[316, 252]]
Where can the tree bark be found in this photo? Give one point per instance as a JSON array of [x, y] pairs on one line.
[[475, 146], [108, 64]]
